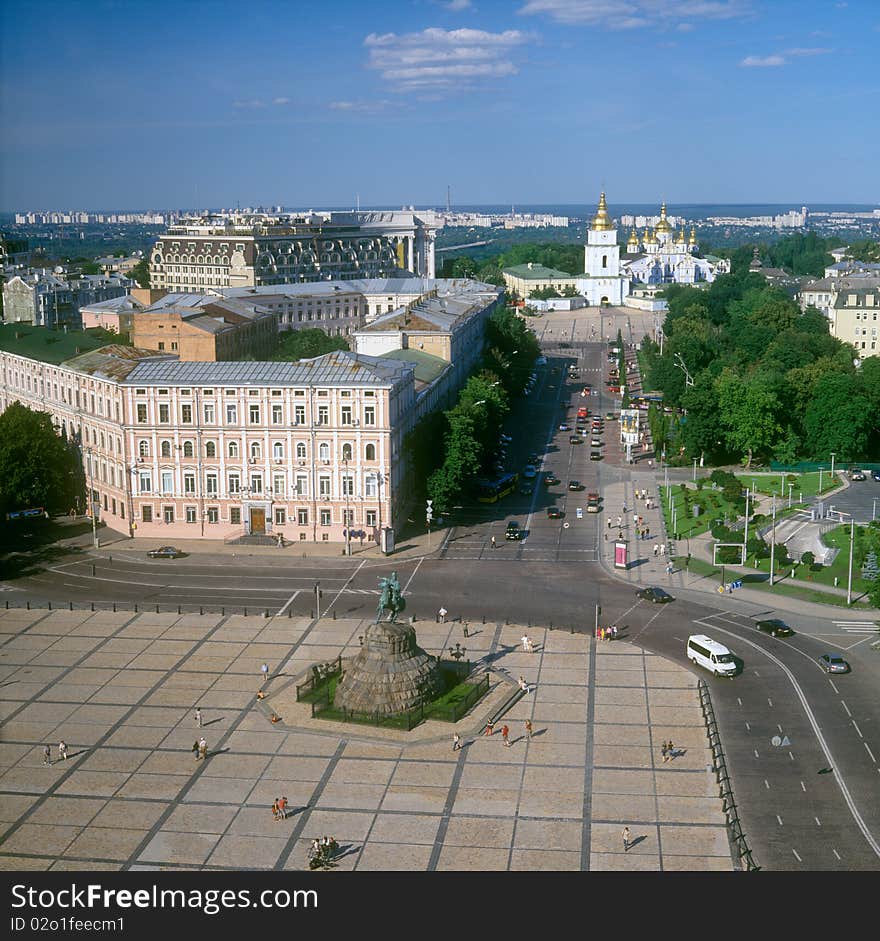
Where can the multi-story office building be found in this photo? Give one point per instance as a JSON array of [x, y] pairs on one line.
[[45, 298], [237, 250]]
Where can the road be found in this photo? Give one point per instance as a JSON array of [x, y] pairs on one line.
[[795, 816]]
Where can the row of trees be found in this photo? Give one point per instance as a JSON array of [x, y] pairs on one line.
[[450, 450], [768, 380], [563, 257]]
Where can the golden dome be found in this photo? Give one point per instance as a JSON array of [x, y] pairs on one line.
[[693, 239], [663, 225], [649, 236], [601, 222], [633, 238]]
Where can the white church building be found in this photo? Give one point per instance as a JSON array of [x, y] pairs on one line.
[[603, 282]]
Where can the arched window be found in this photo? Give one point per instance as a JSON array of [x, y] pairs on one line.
[[144, 448], [233, 449], [188, 449], [300, 449], [166, 449], [278, 450], [256, 450], [324, 451], [370, 452], [346, 452], [210, 449], [604, 261]]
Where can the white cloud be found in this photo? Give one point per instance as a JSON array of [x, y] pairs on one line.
[[280, 101], [366, 107], [456, 5], [782, 58], [685, 27], [249, 103], [630, 14], [762, 61], [443, 59]]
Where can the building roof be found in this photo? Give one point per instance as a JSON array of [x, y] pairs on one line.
[[47, 345], [332, 369], [841, 301], [428, 368], [365, 286], [115, 361], [853, 279], [534, 272], [124, 304]]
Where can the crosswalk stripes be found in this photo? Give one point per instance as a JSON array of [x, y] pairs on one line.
[[858, 627]]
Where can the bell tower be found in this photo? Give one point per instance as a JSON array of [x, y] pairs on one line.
[[602, 253]]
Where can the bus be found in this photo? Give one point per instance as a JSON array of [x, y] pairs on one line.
[[491, 491]]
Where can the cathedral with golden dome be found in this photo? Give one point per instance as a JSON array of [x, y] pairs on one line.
[[603, 282]]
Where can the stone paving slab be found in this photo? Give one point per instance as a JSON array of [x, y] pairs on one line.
[[122, 690]]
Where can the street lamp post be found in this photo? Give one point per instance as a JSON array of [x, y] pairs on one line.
[[695, 470], [820, 481], [832, 463], [347, 513], [789, 495], [773, 541], [92, 500], [852, 539], [746, 534]]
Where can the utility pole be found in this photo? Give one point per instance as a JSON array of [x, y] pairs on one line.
[[317, 600], [345, 484], [746, 534], [92, 500], [820, 481], [852, 539], [773, 541], [832, 464], [695, 470]]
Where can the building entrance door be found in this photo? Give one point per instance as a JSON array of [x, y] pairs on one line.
[[258, 522]]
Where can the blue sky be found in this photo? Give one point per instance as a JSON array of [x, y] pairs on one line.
[[178, 104]]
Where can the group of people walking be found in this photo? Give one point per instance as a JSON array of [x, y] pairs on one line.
[[607, 633]]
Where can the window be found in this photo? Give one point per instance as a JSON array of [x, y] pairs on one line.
[[280, 516], [188, 450], [346, 452], [371, 487], [231, 413], [346, 414], [145, 482], [166, 449], [147, 514], [371, 517], [255, 414], [209, 413], [277, 414], [302, 517], [278, 485], [324, 487], [232, 449], [211, 484], [324, 451], [278, 450], [302, 485], [141, 412], [190, 514], [300, 450], [235, 515], [325, 517], [189, 483], [234, 482], [370, 452], [144, 448], [164, 413], [323, 414], [347, 485], [256, 450], [299, 414], [210, 449], [168, 514], [186, 414], [167, 482], [370, 415], [213, 514]]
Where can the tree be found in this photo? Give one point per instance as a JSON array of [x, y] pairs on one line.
[[838, 419], [748, 414], [306, 344], [37, 465], [141, 273]]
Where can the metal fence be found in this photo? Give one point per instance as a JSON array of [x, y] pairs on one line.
[[317, 676], [725, 792], [144, 607]]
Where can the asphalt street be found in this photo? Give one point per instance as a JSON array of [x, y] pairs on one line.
[[797, 815]]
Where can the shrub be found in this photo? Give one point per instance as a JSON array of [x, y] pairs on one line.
[[808, 558]]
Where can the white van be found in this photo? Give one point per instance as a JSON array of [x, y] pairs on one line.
[[710, 654]]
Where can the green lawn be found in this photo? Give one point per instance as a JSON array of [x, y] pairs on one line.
[[803, 485]]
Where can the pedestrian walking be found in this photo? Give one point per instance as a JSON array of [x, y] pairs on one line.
[[456, 741], [494, 546], [47, 755], [198, 718], [626, 843], [647, 531], [276, 811], [525, 643], [636, 519], [62, 749], [614, 632], [505, 733], [528, 730], [490, 727], [670, 568], [656, 548], [203, 749], [664, 751], [195, 749], [670, 748], [662, 548], [600, 633], [619, 521], [609, 522], [264, 669], [442, 615], [623, 510], [523, 685]]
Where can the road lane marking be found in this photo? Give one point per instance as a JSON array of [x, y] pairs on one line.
[[818, 821], [835, 852], [766, 784], [803, 787], [795, 852], [836, 690], [842, 703], [353, 575], [779, 819], [870, 752], [770, 702], [748, 727], [857, 729], [756, 753], [287, 603]]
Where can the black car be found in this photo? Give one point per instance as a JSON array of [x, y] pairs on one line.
[[513, 531], [575, 439], [165, 552], [875, 474], [775, 627], [575, 485], [554, 513], [595, 455], [550, 479], [654, 595]]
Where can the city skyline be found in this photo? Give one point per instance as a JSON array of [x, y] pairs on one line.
[[694, 101]]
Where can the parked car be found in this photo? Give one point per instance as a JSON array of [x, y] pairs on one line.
[[513, 531], [526, 489], [165, 552], [533, 459], [550, 479], [775, 627], [595, 442], [610, 416], [576, 485], [575, 439], [529, 472], [595, 455], [654, 595], [505, 438], [875, 474], [565, 427], [856, 474], [593, 502], [833, 663], [554, 513]]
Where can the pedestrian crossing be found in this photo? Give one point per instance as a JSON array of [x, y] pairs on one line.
[[858, 627]]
